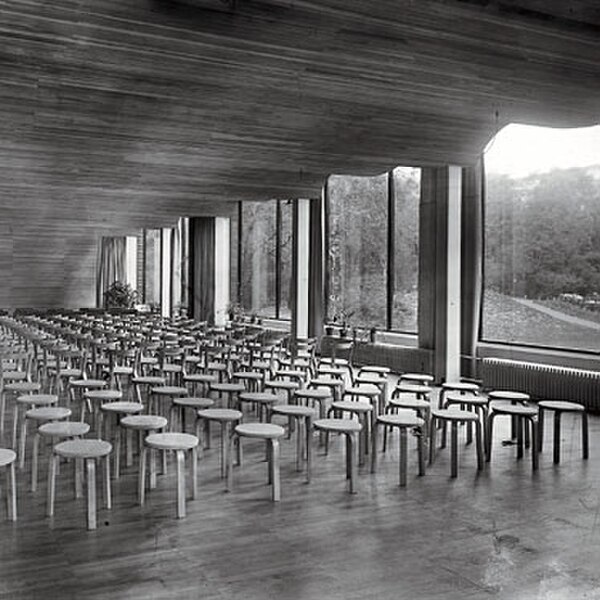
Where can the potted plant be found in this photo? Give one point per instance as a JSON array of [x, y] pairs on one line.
[[120, 295]]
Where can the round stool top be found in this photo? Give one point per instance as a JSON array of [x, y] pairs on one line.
[[169, 390], [313, 394], [352, 406], [144, 422], [369, 392], [293, 410], [247, 375], [381, 371], [220, 414], [450, 414], [507, 395], [470, 400], [201, 378], [282, 385], [412, 388], [64, 429], [171, 441], [149, 380], [89, 383], [260, 430], [328, 370], [103, 395], [410, 402], [7, 456], [290, 373], [69, 373], [261, 365], [420, 377], [48, 413], [227, 387], [149, 360], [23, 386], [169, 368], [14, 375], [38, 399], [370, 379], [561, 405], [212, 366], [262, 397], [515, 409], [460, 386], [86, 448], [338, 425], [327, 381], [197, 403], [401, 419], [122, 370], [125, 408]]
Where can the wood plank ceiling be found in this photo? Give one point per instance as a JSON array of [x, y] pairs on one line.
[[116, 114]]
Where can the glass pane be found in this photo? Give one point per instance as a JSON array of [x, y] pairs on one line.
[[357, 261], [542, 238], [285, 250], [258, 258], [407, 188]]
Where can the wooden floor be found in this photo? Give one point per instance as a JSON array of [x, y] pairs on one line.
[[504, 533]]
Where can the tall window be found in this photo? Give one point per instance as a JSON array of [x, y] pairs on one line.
[[542, 238], [372, 275], [266, 250]]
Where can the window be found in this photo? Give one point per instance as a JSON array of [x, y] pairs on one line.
[[373, 276], [266, 258], [542, 238]]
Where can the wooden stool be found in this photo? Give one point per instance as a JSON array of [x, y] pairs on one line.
[[180, 443], [230, 389], [8, 459], [381, 372], [147, 382], [27, 401], [371, 393], [513, 398], [366, 416], [17, 388], [335, 386], [55, 430], [88, 451], [559, 407], [85, 385], [202, 379], [460, 387], [225, 417], [264, 431], [118, 409], [254, 381], [177, 412], [454, 417], [164, 392], [304, 416], [477, 404], [261, 400], [143, 424], [416, 378], [92, 400], [350, 429], [523, 415], [403, 420], [372, 379], [289, 387]]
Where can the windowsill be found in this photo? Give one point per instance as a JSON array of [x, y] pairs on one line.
[[550, 356]]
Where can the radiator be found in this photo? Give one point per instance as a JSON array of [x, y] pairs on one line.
[[543, 382]]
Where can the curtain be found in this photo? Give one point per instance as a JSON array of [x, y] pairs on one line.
[[316, 292], [111, 265], [202, 268]]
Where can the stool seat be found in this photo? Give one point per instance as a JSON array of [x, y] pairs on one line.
[[149, 380], [423, 378], [507, 395], [561, 405], [374, 369], [122, 407], [313, 394], [169, 390], [201, 378], [338, 425], [260, 430], [370, 379], [227, 387], [409, 402], [262, 397], [369, 392], [262, 365], [412, 388], [450, 414], [293, 410], [247, 375], [404, 418], [86, 448], [14, 375], [23, 386], [327, 381], [470, 400], [103, 395], [48, 413], [69, 373], [327, 370], [89, 383], [7, 457], [144, 422], [460, 386], [282, 385], [352, 406], [290, 373], [515, 409], [169, 368], [171, 441], [197, 403], [64, 429], [220, 414], [38, 399], [214, 366]]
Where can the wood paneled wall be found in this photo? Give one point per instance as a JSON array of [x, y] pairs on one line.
[[117, 115]]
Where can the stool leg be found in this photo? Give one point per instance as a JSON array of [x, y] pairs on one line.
[[374, 436], [229, 468], [454, 449], [54, 458], [78, 470], [585, 450], [224, 449], [479, 444], [299, 444], [11, 492], [2, 410], [180, 484], [23, 443], [107, 490], [34, 461], [540, 429], [556, 441], [308, 432], [421, 451], [351, 449], [274, 466], [403, 456], [142, 477], [15, 426], [90, 467], [432, 436], [519, 437], [534, 444], [194, 473], [118, 453], [128, 446], [490, 433]]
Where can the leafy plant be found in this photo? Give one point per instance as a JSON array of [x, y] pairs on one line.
[[120, 295]]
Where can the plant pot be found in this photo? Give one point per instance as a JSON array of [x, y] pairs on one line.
[[329, 330]]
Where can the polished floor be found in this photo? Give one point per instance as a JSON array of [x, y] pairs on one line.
[[502, 533]]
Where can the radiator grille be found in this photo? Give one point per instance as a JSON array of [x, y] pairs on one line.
[[546, 382]]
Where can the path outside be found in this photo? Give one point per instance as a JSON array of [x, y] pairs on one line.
[[559, 315]]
